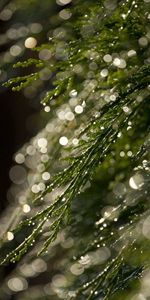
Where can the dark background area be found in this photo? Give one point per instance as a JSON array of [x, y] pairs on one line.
[[14, 112]]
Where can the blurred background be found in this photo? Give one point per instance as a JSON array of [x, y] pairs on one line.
[[22, 27]]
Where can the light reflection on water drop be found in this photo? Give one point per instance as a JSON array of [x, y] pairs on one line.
[[136, 181]]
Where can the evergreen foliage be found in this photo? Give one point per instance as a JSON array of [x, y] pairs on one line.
[[89, 170]]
